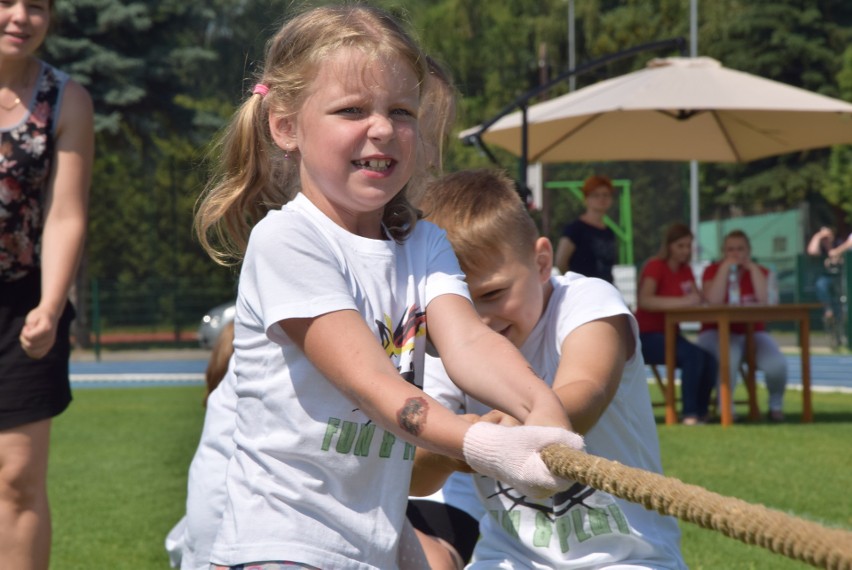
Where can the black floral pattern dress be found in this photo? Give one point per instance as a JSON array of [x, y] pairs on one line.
[[25, 160], [30, 390]]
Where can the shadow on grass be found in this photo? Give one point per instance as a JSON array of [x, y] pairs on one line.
[[833, 417], [831, 408], [830, 417]]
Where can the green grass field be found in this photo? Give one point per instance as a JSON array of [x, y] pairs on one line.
[[119, 460]]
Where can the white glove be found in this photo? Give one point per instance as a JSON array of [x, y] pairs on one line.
[[512, 455]]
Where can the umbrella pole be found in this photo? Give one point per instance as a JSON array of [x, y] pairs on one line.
[[693, 207]]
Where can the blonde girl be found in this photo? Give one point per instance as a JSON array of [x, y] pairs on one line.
[[341, 287]]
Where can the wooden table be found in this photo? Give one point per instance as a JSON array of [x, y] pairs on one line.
[[723, 316]]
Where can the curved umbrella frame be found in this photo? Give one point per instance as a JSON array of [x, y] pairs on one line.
[[473, 137]]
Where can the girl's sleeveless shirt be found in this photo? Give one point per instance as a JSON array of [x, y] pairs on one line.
[[26, 150]]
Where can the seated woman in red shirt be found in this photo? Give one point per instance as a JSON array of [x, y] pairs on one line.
[[754, 288], [667, 282]]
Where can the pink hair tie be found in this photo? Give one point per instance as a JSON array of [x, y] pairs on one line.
[[260, 89]]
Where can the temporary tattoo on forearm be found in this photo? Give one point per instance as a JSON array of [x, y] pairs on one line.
[[412, 416]]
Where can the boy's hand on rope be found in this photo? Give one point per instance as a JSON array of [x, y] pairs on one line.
[[512, 455]]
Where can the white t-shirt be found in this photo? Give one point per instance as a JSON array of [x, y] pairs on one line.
[[312, 478], [581, 527], [205, 498]]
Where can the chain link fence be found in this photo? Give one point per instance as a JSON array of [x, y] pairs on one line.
[[167, 313], [152, 313]]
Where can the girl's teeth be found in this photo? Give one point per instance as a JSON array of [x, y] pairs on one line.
[[374, 164]]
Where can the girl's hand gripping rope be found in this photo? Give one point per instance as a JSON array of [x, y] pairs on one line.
[[513, 455]]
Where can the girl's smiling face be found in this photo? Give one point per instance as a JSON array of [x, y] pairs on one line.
[[356, 137], [23, 26]]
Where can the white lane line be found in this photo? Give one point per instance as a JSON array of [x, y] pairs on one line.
[[141, 377]]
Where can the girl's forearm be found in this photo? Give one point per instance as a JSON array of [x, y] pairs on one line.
[[409, 413], [494, 362]]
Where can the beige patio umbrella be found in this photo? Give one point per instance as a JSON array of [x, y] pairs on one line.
[[675, 109]]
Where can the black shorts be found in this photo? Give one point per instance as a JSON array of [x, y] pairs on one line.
[[31, 390], [447, 522]]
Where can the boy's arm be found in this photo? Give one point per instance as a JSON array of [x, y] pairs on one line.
[[585, 383], [590, 369], [431, 471]]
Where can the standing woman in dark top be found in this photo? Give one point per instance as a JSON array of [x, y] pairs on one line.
[[46, 154], [587, 245]]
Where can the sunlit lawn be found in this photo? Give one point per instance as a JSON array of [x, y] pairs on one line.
[[120, 456]]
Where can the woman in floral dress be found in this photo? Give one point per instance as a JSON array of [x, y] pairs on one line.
[[46, 153]]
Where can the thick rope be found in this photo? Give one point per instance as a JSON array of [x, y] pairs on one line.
[[752, 524]]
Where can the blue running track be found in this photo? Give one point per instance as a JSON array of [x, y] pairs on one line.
[[828, 372]]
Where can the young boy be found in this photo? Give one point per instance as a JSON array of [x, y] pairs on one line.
[[579, 337]]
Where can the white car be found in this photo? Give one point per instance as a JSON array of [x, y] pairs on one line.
[[213, 321]]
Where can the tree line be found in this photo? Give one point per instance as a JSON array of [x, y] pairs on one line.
[[165, 76]]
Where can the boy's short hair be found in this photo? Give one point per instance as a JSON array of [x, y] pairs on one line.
[[483, 216]]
